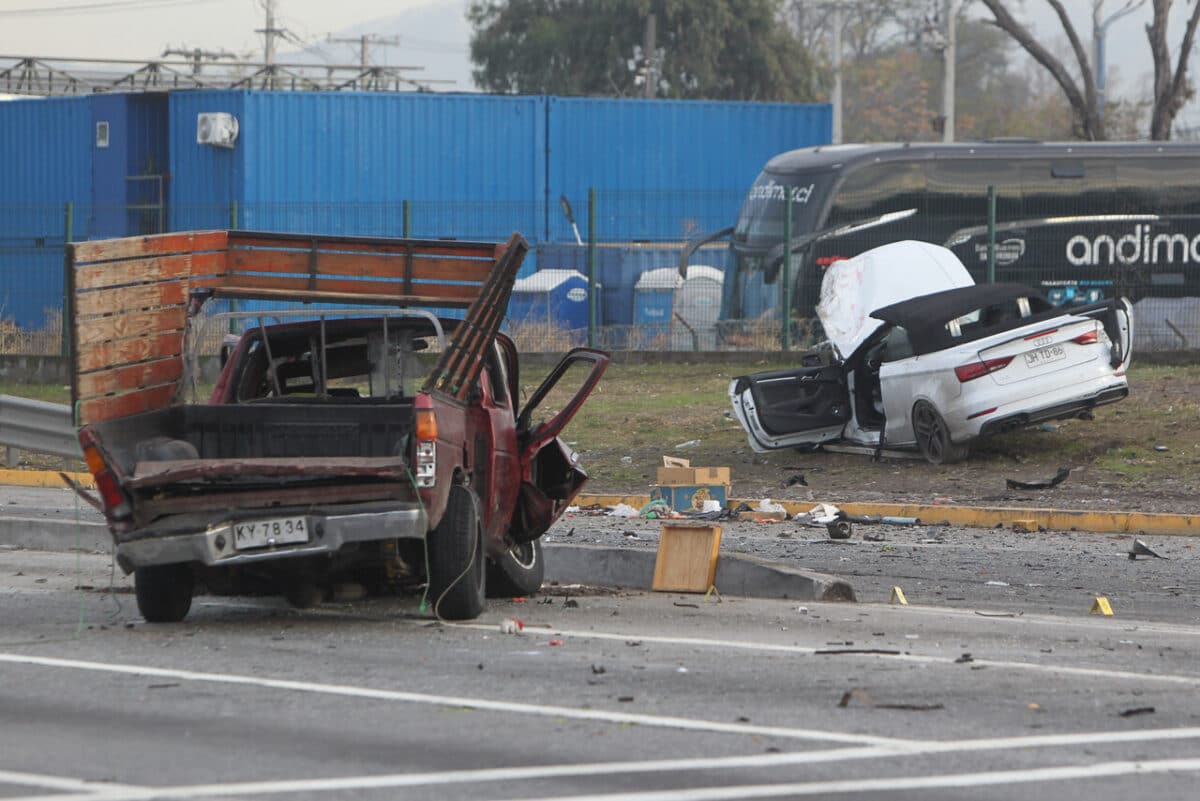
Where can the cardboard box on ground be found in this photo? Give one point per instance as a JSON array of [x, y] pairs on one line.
[[686, 488]]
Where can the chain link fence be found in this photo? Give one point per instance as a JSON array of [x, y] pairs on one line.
[[604, 269]]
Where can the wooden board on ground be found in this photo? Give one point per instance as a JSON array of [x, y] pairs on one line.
[[687, 558]]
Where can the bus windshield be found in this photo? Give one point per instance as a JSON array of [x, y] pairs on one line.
[[760, 224]]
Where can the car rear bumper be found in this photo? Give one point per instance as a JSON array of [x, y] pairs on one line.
[[329, 532], [1069, 408]]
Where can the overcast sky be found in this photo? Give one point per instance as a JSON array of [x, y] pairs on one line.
[[433, 33]]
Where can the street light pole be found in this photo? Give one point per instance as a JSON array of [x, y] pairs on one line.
[[948, 67]]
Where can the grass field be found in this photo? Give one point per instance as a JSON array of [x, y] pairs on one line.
[[640, 412]]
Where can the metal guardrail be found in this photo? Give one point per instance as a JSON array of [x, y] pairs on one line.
[[37, 426]]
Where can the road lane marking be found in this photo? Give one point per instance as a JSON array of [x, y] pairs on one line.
[[805, 650], [542, 772], [897, 783], [454, 701], [59, 783]]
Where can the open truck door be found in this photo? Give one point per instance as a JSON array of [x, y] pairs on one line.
[[550, 473]]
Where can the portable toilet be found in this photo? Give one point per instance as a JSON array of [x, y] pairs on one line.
[[554, 297], [697, 309], [653, 304]]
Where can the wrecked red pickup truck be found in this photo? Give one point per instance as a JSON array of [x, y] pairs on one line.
[[359, 440]]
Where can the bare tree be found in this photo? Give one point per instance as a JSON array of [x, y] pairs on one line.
[[1171, 85]]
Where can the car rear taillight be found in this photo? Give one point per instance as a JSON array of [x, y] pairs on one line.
[[1090, 338], [116, 504], [969, 372], [426, 448]]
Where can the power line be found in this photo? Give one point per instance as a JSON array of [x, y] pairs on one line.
[[104, 7]]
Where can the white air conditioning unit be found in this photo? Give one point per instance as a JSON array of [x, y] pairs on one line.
[[216, 128]]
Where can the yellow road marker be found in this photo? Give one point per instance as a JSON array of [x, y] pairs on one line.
[[898, 597], [1101, 606]]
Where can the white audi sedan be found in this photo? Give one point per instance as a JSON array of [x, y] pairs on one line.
[[919, 356]]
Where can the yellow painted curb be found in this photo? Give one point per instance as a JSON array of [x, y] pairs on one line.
[[43, 478], [977, 516]]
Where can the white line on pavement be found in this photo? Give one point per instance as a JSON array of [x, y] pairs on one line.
[[542, 710], [59, 783], [1141, 677], [898, 783], [764, 761]]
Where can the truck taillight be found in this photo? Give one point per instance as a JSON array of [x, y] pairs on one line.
[[109, 487], [426, 448]]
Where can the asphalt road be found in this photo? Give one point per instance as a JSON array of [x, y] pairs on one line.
[[625, 695]]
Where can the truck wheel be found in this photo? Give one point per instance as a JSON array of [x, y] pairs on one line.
[[518, 572], [457, 578], [164, 592]]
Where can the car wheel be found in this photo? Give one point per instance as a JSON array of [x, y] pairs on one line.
[[519, 571], [933, 436], [164, 592], [457, 578]]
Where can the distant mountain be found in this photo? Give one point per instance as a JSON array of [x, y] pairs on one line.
[[434, 36]]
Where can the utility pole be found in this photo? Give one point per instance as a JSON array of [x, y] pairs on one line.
[[364, 43], [650, 88], [837, 73], [948, 67], [269, 32]]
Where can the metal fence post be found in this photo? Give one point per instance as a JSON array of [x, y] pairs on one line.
[[785, 337], [233, 215], [591, 265], [406, 216], [991, 268], [68, 235]]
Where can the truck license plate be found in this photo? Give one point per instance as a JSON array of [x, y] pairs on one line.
[[1036, 358], [274, 531]]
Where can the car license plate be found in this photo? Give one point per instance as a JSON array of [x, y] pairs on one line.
[[273, 531], [1036, 358]]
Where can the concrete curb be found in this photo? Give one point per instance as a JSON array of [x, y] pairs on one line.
[[42, 534], [737, 575], [1025, 519]]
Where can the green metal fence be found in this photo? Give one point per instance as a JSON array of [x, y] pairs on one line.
[[633, 297]]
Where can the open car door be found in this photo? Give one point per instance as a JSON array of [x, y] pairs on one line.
[[550, 473], [791, 408]]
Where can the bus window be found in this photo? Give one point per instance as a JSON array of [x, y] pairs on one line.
[[958, 194], [1061, 187], [879, 188], [1160, 185], [761, 220]]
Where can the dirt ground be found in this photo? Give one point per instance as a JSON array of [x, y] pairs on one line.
[[1141, 454]]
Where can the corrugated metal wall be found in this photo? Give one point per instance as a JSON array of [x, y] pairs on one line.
[[667, 169], [205, 181], [344, 162], [45, 161]]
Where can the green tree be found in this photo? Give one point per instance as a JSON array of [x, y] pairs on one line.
[[711, 49]]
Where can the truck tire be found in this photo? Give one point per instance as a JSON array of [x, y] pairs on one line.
[[518, 572], [164, 592], [457, 579]]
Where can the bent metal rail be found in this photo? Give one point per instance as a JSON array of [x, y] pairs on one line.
[[131, 297]]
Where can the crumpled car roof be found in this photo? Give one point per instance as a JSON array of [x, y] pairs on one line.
[[881, 277], [925, 317]]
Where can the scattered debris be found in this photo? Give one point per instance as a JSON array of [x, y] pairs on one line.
[[625, 699], [839, 530], [842, 651], [555, 641], [598, 670], [1137, 710], [622, 510], [998, 614], [1048, 483], [1140, 548], [873, 538], [688, 606], [794, 480], [570, 603], [962, 660], [802, 610], [863, 697], [511, 626], [997, 584], [1161, 448]]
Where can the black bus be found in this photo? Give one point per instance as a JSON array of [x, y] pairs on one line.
[[1081, 221]]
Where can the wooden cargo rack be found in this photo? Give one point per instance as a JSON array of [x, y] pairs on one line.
[[131, 297]]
